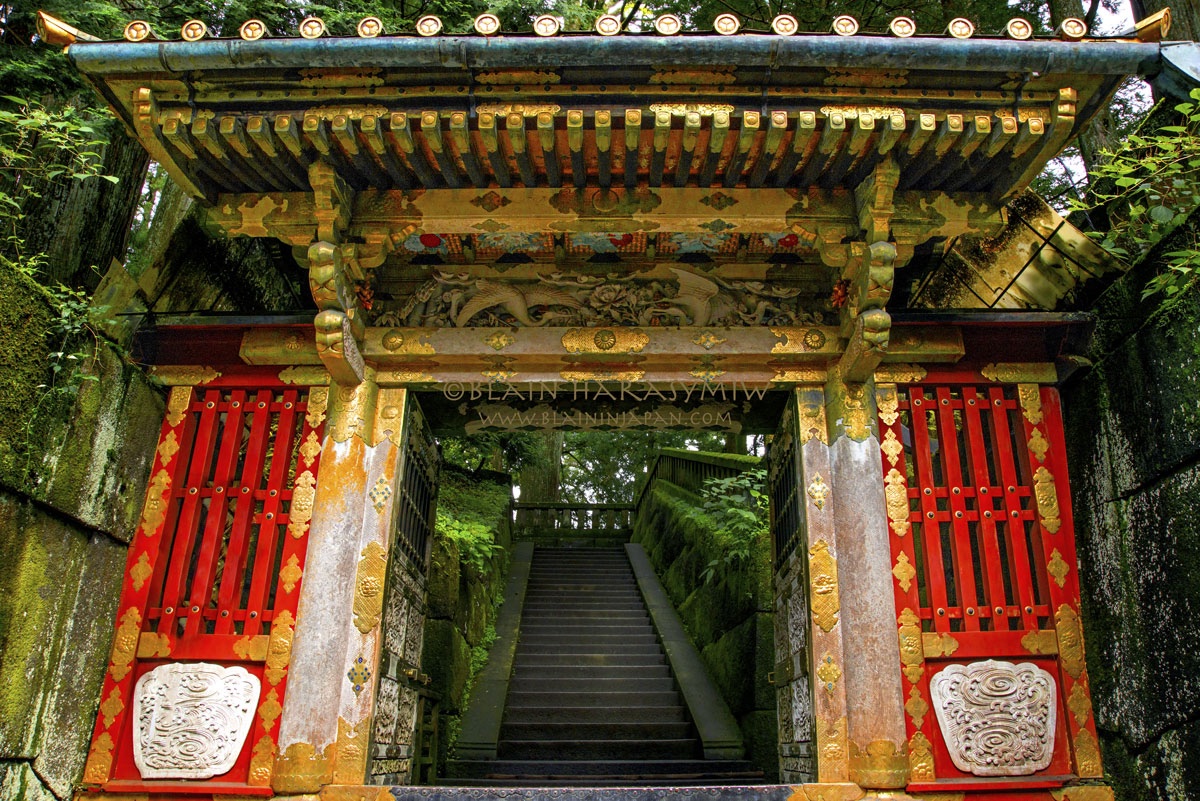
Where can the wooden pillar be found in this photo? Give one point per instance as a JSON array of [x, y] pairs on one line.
[[876, 741], [325, 726]]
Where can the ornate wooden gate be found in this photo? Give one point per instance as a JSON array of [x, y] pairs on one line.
[[213, 577], [983, 555]]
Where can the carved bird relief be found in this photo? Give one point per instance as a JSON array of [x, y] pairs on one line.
[[515, 300]]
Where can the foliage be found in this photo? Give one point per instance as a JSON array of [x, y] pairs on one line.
[[469, 513], [739, 507], [505, 452], [605, 466], [1148, 187]]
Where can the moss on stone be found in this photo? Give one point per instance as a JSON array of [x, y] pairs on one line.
[[760, 733], [444, 574], [723, 659], [447, 660]]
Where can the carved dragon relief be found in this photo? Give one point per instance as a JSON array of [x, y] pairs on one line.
[[689, 299]]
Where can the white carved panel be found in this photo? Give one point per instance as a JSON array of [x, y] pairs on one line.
[[998, 718], [192, 719]]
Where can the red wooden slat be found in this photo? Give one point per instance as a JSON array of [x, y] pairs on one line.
[[948, 451], [213, 537], [229, 594], [930, 516], [984, 493]]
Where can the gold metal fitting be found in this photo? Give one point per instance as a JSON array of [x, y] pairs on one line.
[[1154, 28], [785, 25], [56, 32], [1018, 28], [138, 31], [547, 25], [903, 27], [252, 30], [312, 27], [845, 25], [726, 24], [429, 25], [193, 30], [370, 27], [608, 25], [668, 24], [961, 28], [487, 24], [1072, 29]]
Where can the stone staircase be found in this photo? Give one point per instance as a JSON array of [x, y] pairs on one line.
[[592, 700]]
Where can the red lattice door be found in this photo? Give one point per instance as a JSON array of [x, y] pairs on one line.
[[214, 569], [983, 554]]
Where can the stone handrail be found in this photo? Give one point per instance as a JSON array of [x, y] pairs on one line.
[[690, 469]]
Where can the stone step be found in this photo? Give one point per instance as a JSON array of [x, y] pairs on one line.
[[586, 647], [669, 714], [630, 615], [596, 628], [590, 696], [526, 661], [551, 607], [598, 749], [543, 770], [598, 730], [650, 678]]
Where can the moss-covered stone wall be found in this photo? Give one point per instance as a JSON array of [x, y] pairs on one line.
[[74, 454], [1133, 431], [728, 617], [466, 586]]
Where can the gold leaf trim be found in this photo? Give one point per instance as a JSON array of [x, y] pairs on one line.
[[896, 493], [279, 646], [155, 510], [916, 707], [1020, 373], [302, 375], [411, 343], [177, 405], [602, 375], [1030, 397], [270, 710], [605, 340], [920, 759], [935, 645], [184, 375], [152, 645], [904, 572], [891, 447], [832, 739], [881, 764], [350, 752], [1080, 703], [99, 761], [125, 643], [822, 570], [1070, 641], [318, 400], [818, 491], [900, 374], [291, 573], [812, 422], [168, 447], [252, 647], [1040, 642], [368, 587], [141, 571], [300, 769], [887, 399], [829, 672], [1058, 568], [1087, 755], [1046, 494], [912, 654], [800, 375], [1038, 445], [262, 762], [304, 493], [310, 449], [499, 340], [113, 705]]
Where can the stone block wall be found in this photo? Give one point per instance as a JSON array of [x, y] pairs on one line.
[[729, 617], [1133, 431], [74, 458]]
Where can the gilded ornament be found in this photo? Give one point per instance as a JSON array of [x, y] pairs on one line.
[[318, 399], [684, 109], [916, 707], [408, 377], [310, 449], [904, 572], [512, 77], [832, 743], [935, 645], [822, 569], [138, 31], [1020, 373], [290, 573], [358, 674], [300, 769], [798, 340], [707, 340], [812, 422], [604, 340], [1030, 397], [270, 710], [602, 375], [184, 375], [1058, 568], [302, 375], [1047, 499], [803, 375], [1087, 755], [193, 30], [1038, 445], [380, 493], [818, 491], [1083, 792], [1080, 703], [896, 493], [125, 643], [411, 344], [891, 447], [168, 447], [881, 764], [155, 510], [152, 645], [899, 374], [262, 762], [279, 647], [368, 587], [828, 672], [920, 758], [252, 30], [252, 647], [912, 654], [141, 571], [303, 494], [887, 400], [112, 706], [1070, 641], [350, 752], [856, 112], [716, 76], [177, 404], [706, 371], [1040, 642], [499, 340], [99, 760]]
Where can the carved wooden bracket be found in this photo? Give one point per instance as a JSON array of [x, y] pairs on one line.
[[338, 324], [871, 272], [873, 201]]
